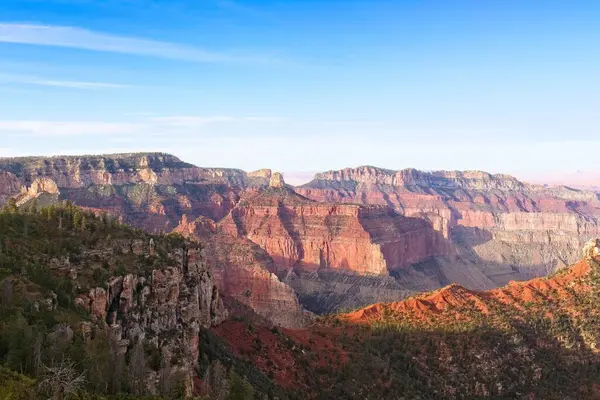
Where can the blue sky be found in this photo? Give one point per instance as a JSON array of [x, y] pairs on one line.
[[504, 86]]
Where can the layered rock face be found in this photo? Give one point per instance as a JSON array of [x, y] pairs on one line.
[[10, 186], [363, 234], [487, 218], [151, 190], [303, 235], [165, 309], [242, 271], [336, 255]]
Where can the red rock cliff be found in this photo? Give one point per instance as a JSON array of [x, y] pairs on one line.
[[517, 217], [149, 190], [242, 270], [305, 235]]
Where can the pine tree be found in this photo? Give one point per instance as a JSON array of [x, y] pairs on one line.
[[11, 206], [138, 369]]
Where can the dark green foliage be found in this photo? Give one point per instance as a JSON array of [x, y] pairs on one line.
[[239, 389], [153, 356], [50, 255], [213, 348], [15, 386]]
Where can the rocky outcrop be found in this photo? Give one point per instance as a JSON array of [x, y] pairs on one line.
[[421, 228], [10, 186], [149, 190], [276, 181], [591, 249], [42, 185], [303, 235], [493, 218], [166, 309], [243, 271], [261, 173]]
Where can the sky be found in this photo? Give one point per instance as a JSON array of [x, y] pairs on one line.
[[507, 86]]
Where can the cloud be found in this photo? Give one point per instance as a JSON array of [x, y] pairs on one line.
[[187, 121], [263, 119], [184, 121], [69, 128], [80, 38], [152, 126], [31, 80], [79, 85], [354, 123]]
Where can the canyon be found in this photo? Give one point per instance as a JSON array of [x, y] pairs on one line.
[[487, 218], [348, 238]]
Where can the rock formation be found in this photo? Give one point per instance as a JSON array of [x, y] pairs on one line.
[[335, 255], [276, 181], [591, 249], [10, 186], [165, 309], [367, 234], [150, 190], [487, 218], [243, 271], [300, 234]]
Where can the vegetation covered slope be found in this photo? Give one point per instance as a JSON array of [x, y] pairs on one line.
[[530, 340], [536, 339], [52, 347]]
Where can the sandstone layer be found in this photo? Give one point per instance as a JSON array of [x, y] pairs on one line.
[[345, 239], [488, 219], [243, 271], [302, 235], [150, 190]]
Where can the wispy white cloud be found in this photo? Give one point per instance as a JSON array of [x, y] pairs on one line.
[[186, 121], [152, 126], [80, 38], [263, 119], [354, 123], [192, 121], [31, 80], [68, 128], [78, 85], [139, 114]]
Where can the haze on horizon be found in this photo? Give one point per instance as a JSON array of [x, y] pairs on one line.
[[299, 86]]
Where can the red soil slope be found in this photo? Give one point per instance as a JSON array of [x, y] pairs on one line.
[[515, 294]]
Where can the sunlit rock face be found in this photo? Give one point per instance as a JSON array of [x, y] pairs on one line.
[[300, 234], [243, 271], [346, 238], [149, 190], [494, 218]]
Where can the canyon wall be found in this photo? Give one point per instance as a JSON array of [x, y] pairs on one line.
[[336, 255], [303, 235], [243, 271], [159, 192], [149, 190], [342, 240], [486, 218]]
